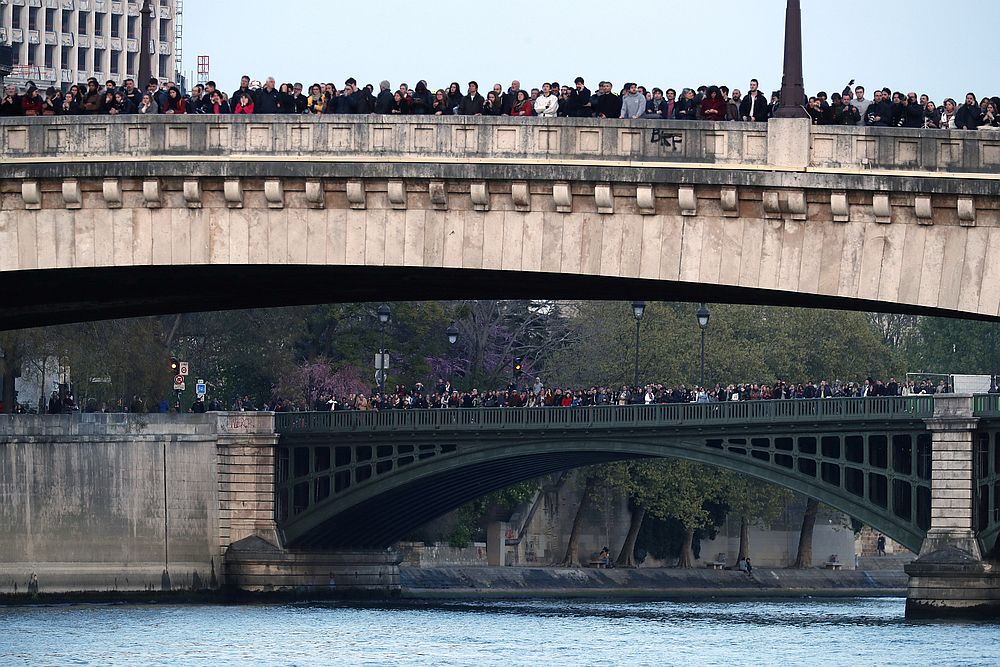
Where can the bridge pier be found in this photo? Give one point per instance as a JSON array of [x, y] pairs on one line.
[[950, 577]]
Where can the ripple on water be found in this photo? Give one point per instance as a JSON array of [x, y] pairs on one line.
[[711, 632]]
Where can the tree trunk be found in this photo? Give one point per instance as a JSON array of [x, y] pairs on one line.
[[572, 558], [8, 391], [804, 558], [744, 539], [627, 556], [687, 550]]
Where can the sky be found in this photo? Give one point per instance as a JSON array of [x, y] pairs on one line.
[[922, 46]]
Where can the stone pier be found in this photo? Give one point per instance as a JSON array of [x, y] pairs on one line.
[[950, 577]]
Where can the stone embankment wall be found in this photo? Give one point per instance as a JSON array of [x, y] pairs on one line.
[[104, 503]]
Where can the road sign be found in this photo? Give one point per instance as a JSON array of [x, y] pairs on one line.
[[382, 361], [200, 388], [179, 383], [183, 368]]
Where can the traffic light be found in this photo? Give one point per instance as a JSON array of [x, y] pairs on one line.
[[518, 366], [175, 366]]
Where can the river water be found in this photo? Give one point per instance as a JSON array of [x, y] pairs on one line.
[[799, 632]]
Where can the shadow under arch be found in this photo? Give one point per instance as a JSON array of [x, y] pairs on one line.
[[381, 513]]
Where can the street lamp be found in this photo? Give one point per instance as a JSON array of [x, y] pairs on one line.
[[384, 315], [638, 310], [452, 332], [703, 317]]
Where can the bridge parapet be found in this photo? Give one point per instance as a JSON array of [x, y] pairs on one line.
[[513, 140]]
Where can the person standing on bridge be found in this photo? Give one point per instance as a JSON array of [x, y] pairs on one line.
[[547, 105], [606, 103], [753, 107], [633, 103], [970, 116], [472, 104]]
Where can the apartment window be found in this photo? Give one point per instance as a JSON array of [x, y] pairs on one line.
[[133, 26], [115, 57], [81, 60], [32, 18], [35, 54], [99, 60], [16, 53], [50, 56], [116, 25], [67, 22], [50, 20], [99, 24], [83, 23], [164, 31], [15, 21], [132, 60], [67, 55]]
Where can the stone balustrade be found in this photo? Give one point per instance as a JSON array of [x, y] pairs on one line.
[[516, 140]]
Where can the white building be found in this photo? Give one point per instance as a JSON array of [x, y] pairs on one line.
[[61, 42]]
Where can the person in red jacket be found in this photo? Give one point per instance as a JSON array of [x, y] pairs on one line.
[[244, 105], [714, 106], [176, 103], [32, 102], [522, 105]]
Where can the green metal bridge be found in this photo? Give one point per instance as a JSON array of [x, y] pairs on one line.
[[351, 479]]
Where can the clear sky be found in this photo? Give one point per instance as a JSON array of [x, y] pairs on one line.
[[930, 46]]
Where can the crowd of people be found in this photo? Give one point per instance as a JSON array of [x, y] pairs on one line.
[[536, 395], [852, 106]]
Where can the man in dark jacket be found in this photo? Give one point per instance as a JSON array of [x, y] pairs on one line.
[[913, 112], [10, 105], [383, 105], [606, 104], [299, 102], [969, 115], [267, 99], [132, 93], [880, 111], [754, 107], [472, 104], [583, 99], [244, 88]]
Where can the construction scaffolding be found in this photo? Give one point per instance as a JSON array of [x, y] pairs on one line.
[[179, 40]]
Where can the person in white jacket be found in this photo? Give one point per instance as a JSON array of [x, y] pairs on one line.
[[547, 104]]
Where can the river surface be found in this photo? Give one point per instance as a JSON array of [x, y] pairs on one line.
[[778, 632]]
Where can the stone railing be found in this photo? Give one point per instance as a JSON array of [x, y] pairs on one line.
[[789, 145]]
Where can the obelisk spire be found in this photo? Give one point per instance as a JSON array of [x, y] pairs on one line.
[[792, 86]]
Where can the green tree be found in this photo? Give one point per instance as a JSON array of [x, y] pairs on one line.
[[753, 501], [953, 346], [679, 490]]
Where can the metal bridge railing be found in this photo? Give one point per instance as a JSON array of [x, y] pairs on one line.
[[986, 405], [683, 414]]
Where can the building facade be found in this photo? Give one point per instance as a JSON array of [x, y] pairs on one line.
[[61, 42]]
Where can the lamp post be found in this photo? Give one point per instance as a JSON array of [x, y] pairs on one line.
[[145, 72], [384, 315], [793, 89], [638, 310], [452, 332], [703, 317]]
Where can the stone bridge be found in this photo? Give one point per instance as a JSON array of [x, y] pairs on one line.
[[259, 211], [266, 501]]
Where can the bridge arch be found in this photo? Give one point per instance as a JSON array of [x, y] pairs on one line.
[[460, 468], [269, 204]]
